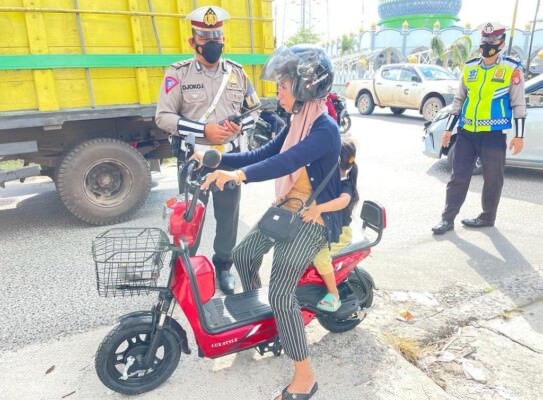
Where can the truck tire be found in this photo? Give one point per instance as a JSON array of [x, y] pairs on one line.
[[431, 106], [103, 181], [365, 103]]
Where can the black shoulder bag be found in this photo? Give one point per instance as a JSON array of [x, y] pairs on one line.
[[282, 225]]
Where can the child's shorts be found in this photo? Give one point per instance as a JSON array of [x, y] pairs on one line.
[[323, 259]]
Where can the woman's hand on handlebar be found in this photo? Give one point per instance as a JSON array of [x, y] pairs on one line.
[[221, 177], [198, 156]]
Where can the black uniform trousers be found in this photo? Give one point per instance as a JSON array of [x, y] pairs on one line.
[[490, 148], [226, 211]]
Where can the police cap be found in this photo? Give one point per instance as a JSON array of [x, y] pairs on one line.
[[491, 31], [207, 21]]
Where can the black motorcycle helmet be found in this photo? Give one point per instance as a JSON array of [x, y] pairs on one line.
[[308, 66]]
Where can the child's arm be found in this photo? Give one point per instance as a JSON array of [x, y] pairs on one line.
[[313, 212]]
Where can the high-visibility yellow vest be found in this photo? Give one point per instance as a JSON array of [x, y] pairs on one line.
[[487, 105]]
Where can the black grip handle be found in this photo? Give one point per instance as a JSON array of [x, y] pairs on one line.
[[230, 185]]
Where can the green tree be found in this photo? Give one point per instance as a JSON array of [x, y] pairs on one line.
[[303, 36], [454, 55], [347, 44]]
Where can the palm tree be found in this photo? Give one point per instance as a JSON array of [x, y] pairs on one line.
[[454, 55]]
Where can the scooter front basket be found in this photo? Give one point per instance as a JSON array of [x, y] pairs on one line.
[[128, 260]]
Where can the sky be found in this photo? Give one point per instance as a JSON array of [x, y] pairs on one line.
[[332, 18]]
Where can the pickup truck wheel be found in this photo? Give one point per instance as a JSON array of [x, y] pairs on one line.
[[397, 111], [430, 107], [103, 181], [365, 104]]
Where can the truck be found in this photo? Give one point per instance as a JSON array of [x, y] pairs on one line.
[[79, 81], [423, 87]]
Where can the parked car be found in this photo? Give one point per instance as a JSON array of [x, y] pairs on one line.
[[423, 87], [532, 154]]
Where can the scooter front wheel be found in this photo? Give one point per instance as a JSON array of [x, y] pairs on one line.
[[361, 284], [119, 359]]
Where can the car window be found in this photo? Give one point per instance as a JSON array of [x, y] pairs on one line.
[[535, 98], [435, 73], [407, 75], [391, 74]]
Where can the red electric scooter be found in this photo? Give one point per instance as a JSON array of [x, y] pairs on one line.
[[144, 347]]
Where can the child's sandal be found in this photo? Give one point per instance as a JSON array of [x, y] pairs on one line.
[[329, 303]]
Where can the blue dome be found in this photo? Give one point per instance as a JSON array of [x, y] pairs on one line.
[[401, 8]]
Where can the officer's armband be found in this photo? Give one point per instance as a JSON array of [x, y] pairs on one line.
[[519, 127], [187, 126]]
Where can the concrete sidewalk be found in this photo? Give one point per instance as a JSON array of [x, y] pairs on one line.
[[448, 339]]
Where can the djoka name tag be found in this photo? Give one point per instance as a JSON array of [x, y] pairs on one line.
[[499, 75]]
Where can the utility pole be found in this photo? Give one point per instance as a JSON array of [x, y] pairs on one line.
[[513, 28], [532, 38]]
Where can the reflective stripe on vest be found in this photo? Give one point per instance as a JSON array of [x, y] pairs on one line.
[[487, 106]]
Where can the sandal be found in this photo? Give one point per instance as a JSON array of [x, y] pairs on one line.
[[286, 395], [329, 303]]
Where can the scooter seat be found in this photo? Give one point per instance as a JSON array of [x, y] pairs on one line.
[[225, 313]]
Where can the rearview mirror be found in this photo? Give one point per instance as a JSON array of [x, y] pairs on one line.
[[415, 78]]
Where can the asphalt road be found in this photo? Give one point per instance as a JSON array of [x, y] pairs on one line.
[[48, 280]]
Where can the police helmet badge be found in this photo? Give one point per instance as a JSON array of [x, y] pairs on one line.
[[488, 28], [210, 18]]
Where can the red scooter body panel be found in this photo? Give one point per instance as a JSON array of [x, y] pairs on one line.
[[342, 267], [215, 345], [180, 228], [205, 277]]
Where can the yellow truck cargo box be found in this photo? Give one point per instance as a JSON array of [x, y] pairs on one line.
[[79, 80], [72, 54]]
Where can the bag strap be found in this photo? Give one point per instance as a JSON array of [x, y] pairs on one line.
[[321, 186], [289, 199]]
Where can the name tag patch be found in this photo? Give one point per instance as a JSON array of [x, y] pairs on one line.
[[472, 75], [499, 75]]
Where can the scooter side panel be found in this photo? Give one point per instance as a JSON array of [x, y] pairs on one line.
[[342, 267]]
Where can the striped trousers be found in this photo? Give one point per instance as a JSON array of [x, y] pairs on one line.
[[290, 260]]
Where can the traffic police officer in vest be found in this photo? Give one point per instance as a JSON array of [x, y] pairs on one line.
[[196, 98], [490, 96]]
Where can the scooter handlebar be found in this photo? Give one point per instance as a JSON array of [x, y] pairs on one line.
[[230, 185]]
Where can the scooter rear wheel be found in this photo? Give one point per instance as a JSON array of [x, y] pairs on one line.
[[361, 284], [120, 355]]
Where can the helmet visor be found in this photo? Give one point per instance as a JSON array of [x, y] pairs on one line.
[[280, 66]]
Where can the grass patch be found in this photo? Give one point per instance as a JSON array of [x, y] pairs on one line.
[[411, 350], [508, 314], [11, 164]]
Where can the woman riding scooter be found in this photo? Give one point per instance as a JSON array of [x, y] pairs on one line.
[[298, 159]]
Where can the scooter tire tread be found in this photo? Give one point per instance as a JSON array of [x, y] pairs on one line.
[[111, 342]]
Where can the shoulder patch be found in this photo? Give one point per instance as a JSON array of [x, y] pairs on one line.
[[511, 62], [474, 60], [180, 64], [235, 64]]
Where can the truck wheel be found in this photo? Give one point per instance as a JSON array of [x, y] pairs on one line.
[[103, 181], [365, 104], [397, 111], [430, 107]]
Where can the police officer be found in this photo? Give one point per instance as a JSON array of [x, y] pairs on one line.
[[490, 96], [196, 98]]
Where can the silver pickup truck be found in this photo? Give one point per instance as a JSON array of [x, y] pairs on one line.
[[423, 87]]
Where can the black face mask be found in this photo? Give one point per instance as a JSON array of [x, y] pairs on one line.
[[211, 51], [490, 50]]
